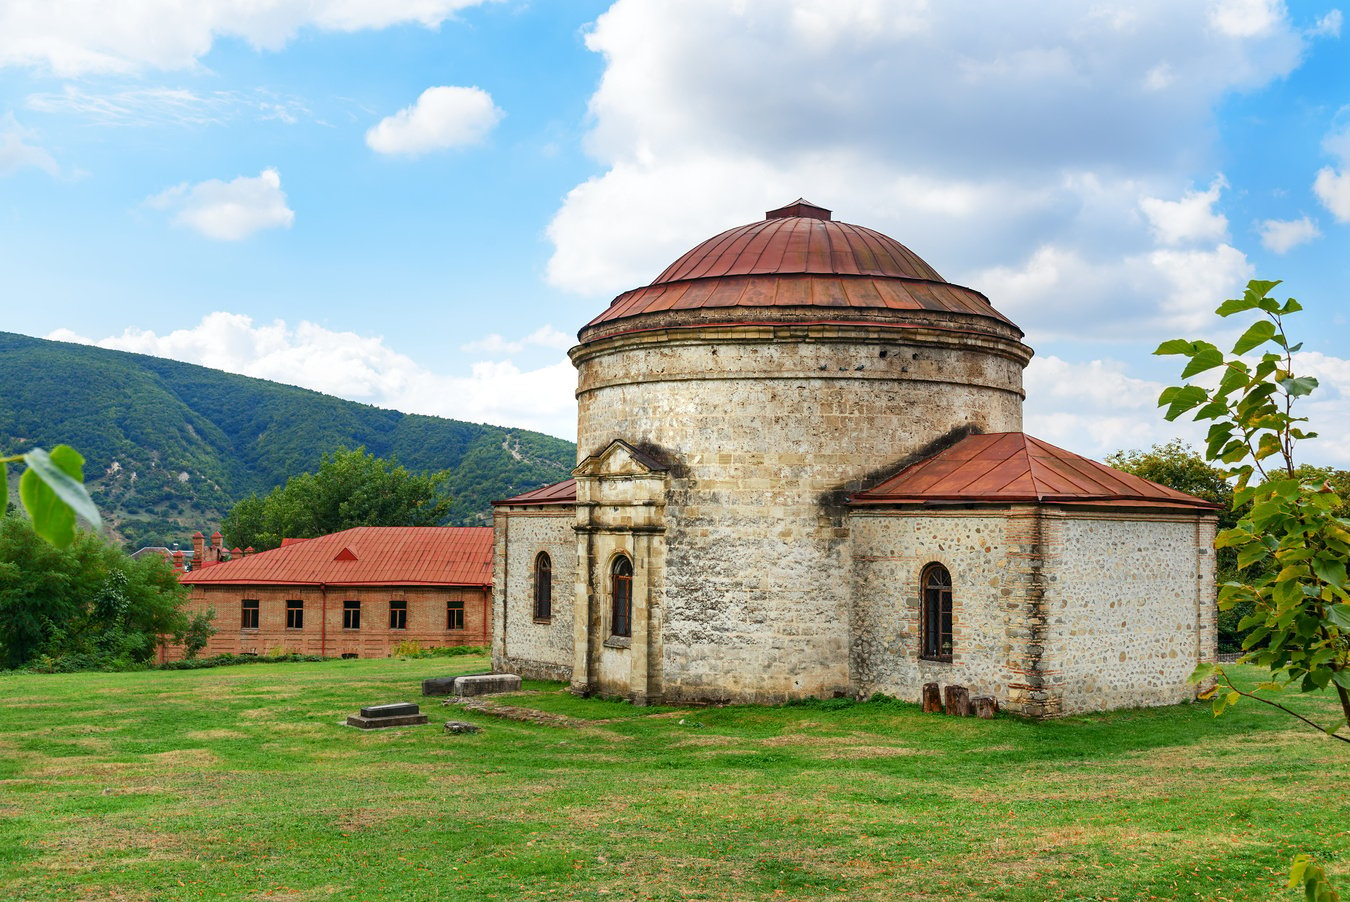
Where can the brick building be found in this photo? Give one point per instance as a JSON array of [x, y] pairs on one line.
[[358, 592], [802, 472]]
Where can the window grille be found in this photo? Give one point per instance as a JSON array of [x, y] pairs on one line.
[[621, 594], [937, 613]]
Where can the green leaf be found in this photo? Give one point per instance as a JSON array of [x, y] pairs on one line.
[[52, 491], [1206, 357], [1182, 399], [4, 488], [1339, 614], [1329, 570], [1268, 445], [1175, 346], [1235, 376], [1260, 332], [1235, 305], [1202, 672], [1251, 554], [1291, 306], [1299, 386]]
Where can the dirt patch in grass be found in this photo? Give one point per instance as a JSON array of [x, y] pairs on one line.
[[705, 740], [200, 759], [857, 752], [215, 734], [60, 768]]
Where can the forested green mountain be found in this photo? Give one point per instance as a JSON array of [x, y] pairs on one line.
[[169, 447]]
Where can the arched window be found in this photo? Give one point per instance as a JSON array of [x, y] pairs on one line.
[[936, 616], [543, 587], [621, 596]]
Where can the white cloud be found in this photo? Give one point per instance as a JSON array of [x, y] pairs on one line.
[[442, 117], [1096, 407], [1327, 408], [228, 211], [1281, 235], [543, 337], [166, 106], [1245, 18], [73, 37], [1197, 281], [1058, 293], [1051, 127], [1333, 190], [16, 153], [363, 368], [1329, 25], [1190, 219]]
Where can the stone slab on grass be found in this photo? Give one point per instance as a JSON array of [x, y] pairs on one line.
[[446, 685], [485, 684], [377, 723], [397, 709]]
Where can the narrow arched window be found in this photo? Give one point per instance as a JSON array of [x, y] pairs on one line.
[[543, 587], [936, 615], [621, 595]]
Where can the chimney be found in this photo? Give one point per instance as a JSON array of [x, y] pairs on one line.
[[178, 561], [248, 550], [217, 546], [198, 549]]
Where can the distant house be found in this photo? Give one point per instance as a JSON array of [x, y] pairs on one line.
[[356, 593]]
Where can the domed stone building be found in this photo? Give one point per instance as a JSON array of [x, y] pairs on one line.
[[802, 473]]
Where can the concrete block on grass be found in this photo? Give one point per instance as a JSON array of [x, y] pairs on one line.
[[485, 684]]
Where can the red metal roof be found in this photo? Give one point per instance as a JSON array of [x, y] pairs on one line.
[[366, 556], [564, 492], [798, 256], [1013, 466]]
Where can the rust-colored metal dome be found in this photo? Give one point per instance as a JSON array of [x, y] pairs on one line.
[[798, 257]]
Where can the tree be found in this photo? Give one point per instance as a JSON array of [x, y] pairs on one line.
[[1292, 538], [87, 605], [1301, 619], [350, 488]]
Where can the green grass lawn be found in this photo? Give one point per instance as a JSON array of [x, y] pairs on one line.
[[242, 783]]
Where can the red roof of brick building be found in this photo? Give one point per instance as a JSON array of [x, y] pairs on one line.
[[1015, 467], [366, 556]]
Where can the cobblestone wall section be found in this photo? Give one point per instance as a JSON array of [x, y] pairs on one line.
[[890, 552], [1130, 604], [535, 649]]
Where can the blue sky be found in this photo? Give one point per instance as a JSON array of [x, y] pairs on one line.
[[416, 203]]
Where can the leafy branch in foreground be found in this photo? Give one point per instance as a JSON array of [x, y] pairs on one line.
[[52, 490], [1292, 548], [1292, 543]]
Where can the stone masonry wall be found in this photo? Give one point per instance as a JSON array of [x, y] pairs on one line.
[[426, 621], [769, 430], [535, 649], [1130, 607], [890, 552]]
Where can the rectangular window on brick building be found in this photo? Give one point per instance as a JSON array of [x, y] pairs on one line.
[[351, 615], [249, 617], [295, 614], [398, 615], [454, 615]]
